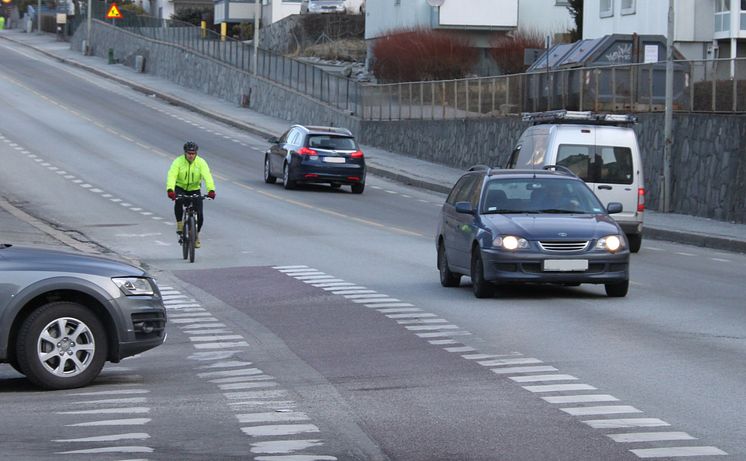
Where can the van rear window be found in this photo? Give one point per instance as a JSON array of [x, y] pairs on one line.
[[598, 164]]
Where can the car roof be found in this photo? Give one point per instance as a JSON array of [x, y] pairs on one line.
[[312, 129]]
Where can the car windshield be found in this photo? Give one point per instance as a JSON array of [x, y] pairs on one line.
[[538, 195], [331, 142]]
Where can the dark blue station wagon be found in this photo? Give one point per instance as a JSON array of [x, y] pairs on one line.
[[529, 226]]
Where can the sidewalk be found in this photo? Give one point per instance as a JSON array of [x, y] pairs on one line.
[[662, 226]]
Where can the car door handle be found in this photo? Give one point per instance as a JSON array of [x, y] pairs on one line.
[[605, 187]]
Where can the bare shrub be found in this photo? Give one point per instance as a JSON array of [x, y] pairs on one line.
[[420, 54], [507, 51]]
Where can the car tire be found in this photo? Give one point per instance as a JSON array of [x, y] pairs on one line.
[[357, 188], [481, 287], [268, 178], [635, 242], [287, 183], [447, 278], [89, 346], [617, 290]]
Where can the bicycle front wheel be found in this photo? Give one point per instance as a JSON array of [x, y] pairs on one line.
[[185, 242], [192, 223]]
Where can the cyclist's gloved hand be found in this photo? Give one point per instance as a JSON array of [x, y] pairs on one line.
[[211, 194], [171, 194]]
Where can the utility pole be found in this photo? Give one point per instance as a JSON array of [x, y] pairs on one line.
[[38, 17], [668, 119], [257, 15], [88, 29]]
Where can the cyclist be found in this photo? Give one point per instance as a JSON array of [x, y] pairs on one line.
[[185, 178]]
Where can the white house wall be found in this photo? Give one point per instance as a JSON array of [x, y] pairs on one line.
[[383, 16], [544, 16], [479, 13], [693, 22]]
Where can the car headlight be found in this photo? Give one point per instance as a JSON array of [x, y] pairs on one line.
[[610, 243], [134, 286], [510, 242]]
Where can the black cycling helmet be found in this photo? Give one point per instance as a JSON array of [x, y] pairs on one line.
[[191, 146]]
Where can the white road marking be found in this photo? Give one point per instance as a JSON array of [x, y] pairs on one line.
[[246, 385], [399, 309], [279, 429], [318, 278], [431, 327], [351, 292], [500, 362], [649, 437], [104, 411], [113, 392], [442, 334], [487, 356], [681, 253], [214, 338], [508, 370], [625, 423], [601, 410], [222, 345], [420, 321], [538, 378], [366, 297], [379, 305], [671, 452], [225, 373], [457, 349], [410, 316], [213, 331], [352, 287], [271, 417], [284, 446], [192, 320], [253, 395], [240, 379], [109, 438], [721, 260], [108, 450], [338, 283], [560, 387], [114, 422], [319, 283], [114, 401], [583, 398], [226, 364]]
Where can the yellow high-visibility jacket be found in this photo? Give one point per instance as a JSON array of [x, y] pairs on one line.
[[189, 176]]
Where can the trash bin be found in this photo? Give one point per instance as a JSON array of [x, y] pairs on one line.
[[111, 55]]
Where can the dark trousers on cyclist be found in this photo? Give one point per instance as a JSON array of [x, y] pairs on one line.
[[179, 211]]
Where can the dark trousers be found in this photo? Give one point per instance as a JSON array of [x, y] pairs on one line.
[[179, 210]]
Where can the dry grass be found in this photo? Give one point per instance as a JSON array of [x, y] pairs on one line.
[[508, 51], [352, 50]]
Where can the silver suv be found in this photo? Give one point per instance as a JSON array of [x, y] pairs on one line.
[[62, 315]]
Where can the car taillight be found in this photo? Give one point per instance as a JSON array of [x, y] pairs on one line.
[[311, 175], [640, 199], [307, 151], [357, 154], [353, 178]]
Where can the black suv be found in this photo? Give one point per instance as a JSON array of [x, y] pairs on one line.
[[62, 315], [315, 154], [529, 226]]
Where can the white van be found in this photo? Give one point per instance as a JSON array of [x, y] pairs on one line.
[[601, 149]]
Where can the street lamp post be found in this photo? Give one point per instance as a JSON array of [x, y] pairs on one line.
[[38, 17], [668, 118], [257, 15]]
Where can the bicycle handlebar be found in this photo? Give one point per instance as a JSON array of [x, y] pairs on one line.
[[200, 197]]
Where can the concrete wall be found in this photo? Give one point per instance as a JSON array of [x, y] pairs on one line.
[[709, 159]]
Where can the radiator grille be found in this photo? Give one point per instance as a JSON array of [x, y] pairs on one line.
[[564, 246]]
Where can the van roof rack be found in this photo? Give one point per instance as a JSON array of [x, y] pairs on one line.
[[574, 116], [560, 169], [479, 168]]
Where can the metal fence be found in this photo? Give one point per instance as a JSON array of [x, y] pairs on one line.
[[699, 86]]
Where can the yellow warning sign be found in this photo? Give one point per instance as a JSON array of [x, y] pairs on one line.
[[113, 12]]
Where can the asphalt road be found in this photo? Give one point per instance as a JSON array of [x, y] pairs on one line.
[[313, 323]]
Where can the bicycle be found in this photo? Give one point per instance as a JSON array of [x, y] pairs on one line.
[[188, 237]]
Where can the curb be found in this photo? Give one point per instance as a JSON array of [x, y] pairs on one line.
[[701, 240]]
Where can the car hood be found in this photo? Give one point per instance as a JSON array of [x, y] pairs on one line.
[[27, 258], [548, 226]]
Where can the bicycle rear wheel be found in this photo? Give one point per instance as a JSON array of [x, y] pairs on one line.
[[192, 223]]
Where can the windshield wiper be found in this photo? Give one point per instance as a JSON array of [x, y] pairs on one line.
[[558, 210]]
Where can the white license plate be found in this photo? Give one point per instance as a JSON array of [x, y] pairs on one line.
[[334, 159], [565, 265]]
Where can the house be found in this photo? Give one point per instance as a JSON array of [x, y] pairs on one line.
[[164, 9], [703, 29], [479, 20], [235, 11]]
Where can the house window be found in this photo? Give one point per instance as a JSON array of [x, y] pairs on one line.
[[607, 8], [722, 15], [743, 14], [628, 6], [563, 2]]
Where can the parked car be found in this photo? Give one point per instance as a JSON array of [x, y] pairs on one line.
[[322, 6], [601, 149], [62, 315], [529, 226], [315, 154]]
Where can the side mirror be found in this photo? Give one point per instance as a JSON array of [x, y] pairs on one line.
[[614, 207], [273, 140], [464, 207]]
